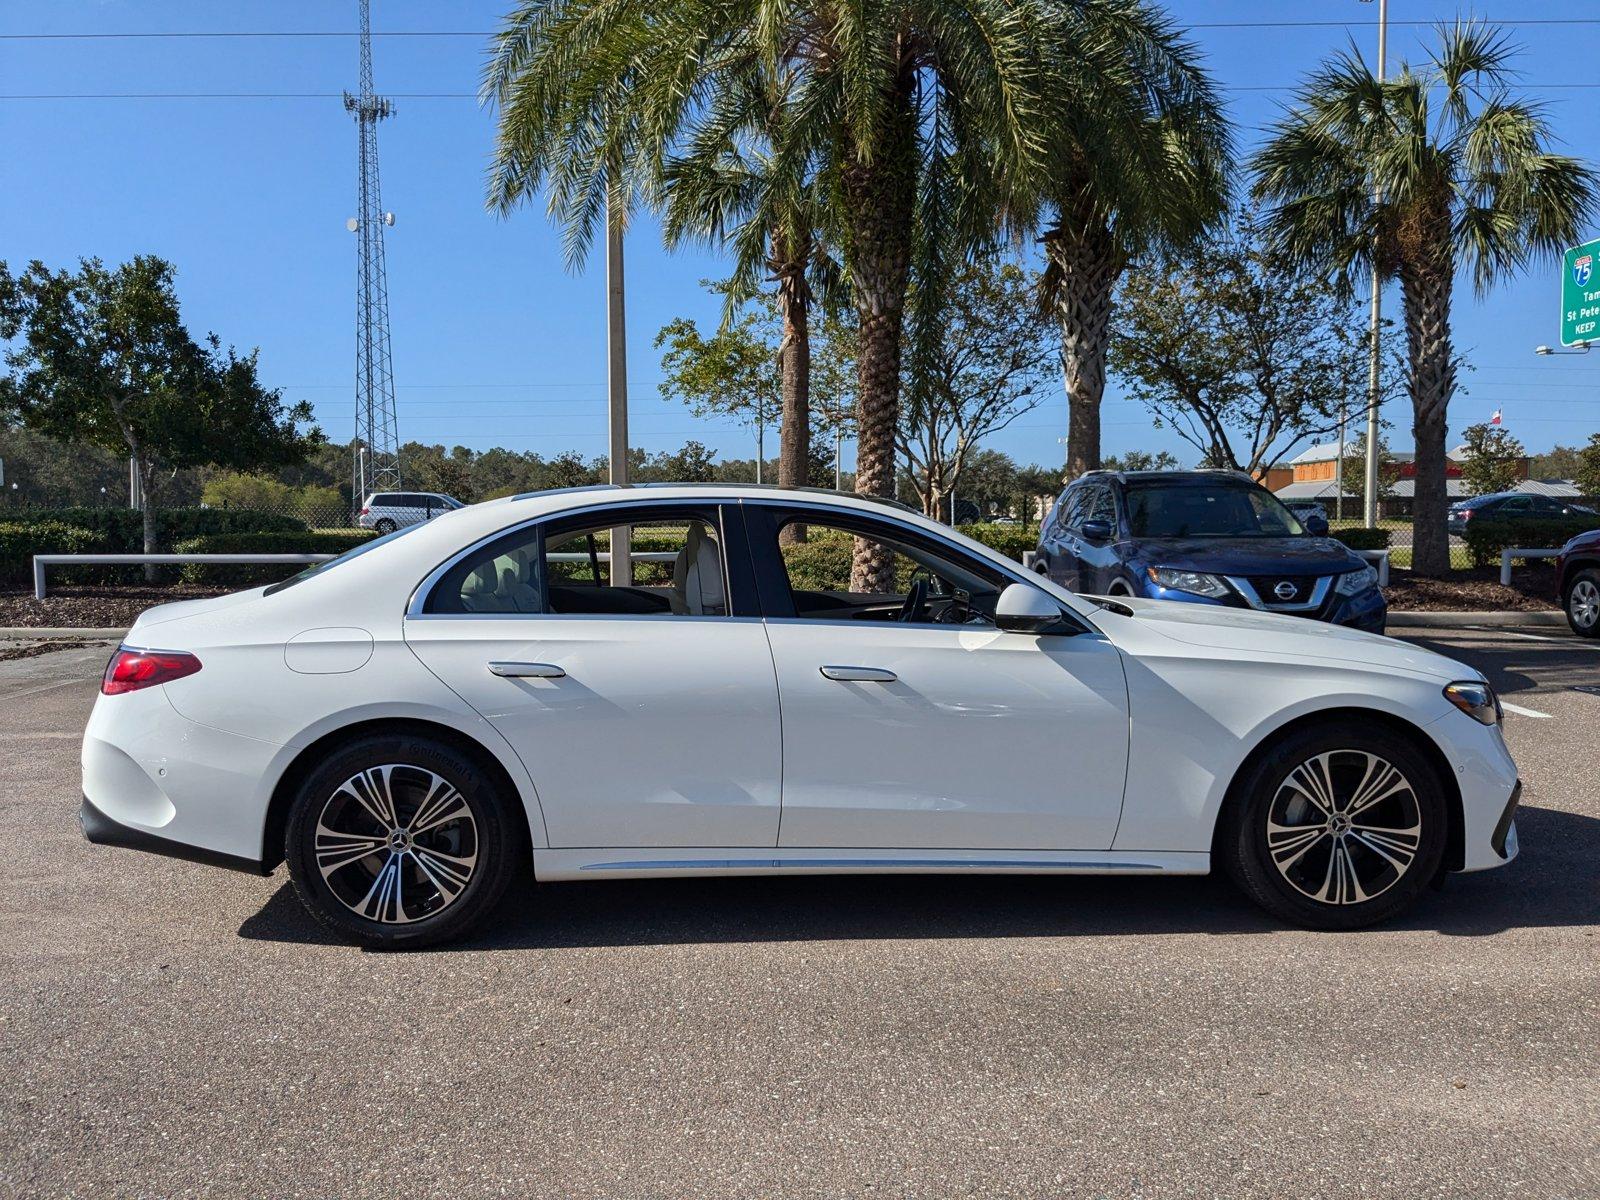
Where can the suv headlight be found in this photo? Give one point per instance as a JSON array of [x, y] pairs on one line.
[[1353, 583], [1197, 582], [1476, 699]]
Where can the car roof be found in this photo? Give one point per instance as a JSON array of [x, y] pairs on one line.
[[1176, 478]]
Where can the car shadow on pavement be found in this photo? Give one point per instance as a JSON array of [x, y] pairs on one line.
[[1556, 882]]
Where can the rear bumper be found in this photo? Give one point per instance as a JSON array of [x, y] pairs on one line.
[[104, 831]]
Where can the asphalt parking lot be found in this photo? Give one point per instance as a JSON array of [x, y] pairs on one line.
[[170, 1029]]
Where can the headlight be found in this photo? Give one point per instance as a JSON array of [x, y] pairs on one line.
[[1356, 582], [1476, 699], [1197, 582]]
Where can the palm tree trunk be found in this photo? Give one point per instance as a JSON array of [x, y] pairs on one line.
[[1085, 256], [879, 195], [789, 256], [1425, 288]]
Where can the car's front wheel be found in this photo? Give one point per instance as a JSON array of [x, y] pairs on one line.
[[384, 525], [398, 842], [1336, 827], [1583, 603]]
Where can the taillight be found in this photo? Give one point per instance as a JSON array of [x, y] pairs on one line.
[[130, 670], [1466, 514], [365, 511]]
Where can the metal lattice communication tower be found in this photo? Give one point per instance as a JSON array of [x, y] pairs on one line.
[[377, 446]]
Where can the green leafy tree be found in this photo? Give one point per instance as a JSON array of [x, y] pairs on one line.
[[1587, 476], [102, 356], [1354, 480], [986, 370], [1238, 356], [1437, 170], [1493, 460], [1141, 460], [733, 372], [1559, 462]]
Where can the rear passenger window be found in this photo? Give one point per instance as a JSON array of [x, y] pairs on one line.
[[676, 569]]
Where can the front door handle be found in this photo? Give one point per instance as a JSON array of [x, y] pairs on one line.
[[526, 670], [859, 674]]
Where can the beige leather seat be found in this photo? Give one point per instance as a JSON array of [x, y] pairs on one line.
[[478, 591], [697, 589]]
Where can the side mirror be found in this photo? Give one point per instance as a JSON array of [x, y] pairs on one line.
[[1025, 609], [1316, 526], [1097, 530]]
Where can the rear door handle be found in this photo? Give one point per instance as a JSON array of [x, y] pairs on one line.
[[859, 674], [526, 670]]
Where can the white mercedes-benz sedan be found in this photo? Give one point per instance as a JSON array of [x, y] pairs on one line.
[[409, 724]]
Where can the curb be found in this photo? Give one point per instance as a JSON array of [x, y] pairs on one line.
[[1456, 620], [15, 632]]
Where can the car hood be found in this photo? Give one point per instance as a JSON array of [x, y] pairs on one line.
[[1248, 631], [1250, 556]]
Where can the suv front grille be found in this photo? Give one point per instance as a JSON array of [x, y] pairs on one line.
[[1284, 593]]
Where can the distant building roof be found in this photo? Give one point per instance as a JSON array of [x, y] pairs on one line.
[[1329, 452]]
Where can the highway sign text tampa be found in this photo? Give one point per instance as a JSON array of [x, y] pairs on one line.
[[1580, 294]]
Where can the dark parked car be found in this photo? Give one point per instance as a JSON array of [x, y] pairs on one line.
[[1510, 506], [1578, 583], [1207, 537]]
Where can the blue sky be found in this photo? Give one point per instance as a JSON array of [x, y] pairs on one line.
[[495, 342]]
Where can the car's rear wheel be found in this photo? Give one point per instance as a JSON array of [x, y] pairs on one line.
[[1336, 827], [398, 842], [1583, 603], [384, 525]]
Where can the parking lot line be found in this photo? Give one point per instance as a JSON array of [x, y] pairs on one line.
[[1524, 712]]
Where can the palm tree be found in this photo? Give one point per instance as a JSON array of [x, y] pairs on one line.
[[594, 96], [1439, 169], [1147, 182]]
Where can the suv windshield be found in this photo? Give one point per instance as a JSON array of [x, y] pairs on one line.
[[1207, 510]]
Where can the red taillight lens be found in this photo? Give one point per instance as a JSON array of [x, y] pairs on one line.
[[365, 511], [130, 670]]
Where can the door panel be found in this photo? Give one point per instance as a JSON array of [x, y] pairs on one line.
[[982, 740], [658, 731]]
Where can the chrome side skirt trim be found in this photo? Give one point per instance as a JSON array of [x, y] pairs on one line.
[[659, 862]]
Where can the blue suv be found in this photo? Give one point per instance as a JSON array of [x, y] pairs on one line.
[[1208, 537]]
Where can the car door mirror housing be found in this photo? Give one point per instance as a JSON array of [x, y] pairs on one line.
[[1023, 608], [1317, 526], [1097, 530]]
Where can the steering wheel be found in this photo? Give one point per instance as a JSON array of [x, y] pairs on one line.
[[915, 599]]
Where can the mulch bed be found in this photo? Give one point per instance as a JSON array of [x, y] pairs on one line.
[[98, 606], [1477, 589]]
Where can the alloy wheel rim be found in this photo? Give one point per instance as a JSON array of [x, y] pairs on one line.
[[1344, 827], [396, 843], [1585, 603]]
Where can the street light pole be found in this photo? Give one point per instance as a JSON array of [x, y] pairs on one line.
[[1370, 497]]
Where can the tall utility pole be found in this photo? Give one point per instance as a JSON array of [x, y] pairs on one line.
[[1369, 506], [378, 469]]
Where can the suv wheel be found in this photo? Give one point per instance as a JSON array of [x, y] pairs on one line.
[[1336, 827], [1120, 587], [1583, 603], [398, 842], [384, 525]]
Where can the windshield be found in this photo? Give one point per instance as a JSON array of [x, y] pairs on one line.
[[1208, 510], [319, 568]]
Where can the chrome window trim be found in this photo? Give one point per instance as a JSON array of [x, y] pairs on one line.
[[620, 498], [420, 593]]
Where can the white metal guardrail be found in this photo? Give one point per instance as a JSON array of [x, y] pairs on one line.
[[1520, 552], [41, 561]]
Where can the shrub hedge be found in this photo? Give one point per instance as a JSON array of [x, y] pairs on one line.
[[1486, 539], [1364, 538], [121, 530], [333, 541], [20, 541], [1010, 540]]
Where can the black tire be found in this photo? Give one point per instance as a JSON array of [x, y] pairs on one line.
[[1582, 603], [479, 837], [1360, 883], [1120, 587], [384, 525]]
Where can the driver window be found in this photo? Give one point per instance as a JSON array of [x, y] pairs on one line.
[[929, 587]]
